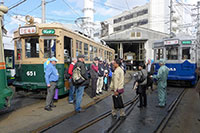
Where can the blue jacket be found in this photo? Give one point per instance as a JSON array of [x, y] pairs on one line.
[[51, 73]]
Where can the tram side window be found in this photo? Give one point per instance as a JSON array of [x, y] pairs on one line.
[[185, 53], [105, 55], [32, 47], [49, 48], [172, 53], [91, 53], [159, 54], [86, 51], [19, 49], [95, 52], [78, 47]]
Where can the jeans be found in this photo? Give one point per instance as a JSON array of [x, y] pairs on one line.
[[71, 91], [79, 95]]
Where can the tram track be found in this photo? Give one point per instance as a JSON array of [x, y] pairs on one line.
[[171, 110], [129, 108], [131, 103]]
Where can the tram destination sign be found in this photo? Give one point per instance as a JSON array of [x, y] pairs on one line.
[[48, 31], [27, 30], [186, 42], [171, 42]]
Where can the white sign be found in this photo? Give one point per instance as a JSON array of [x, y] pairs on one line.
[[27, 30], [172, 69], [171, 42], [31, 73]]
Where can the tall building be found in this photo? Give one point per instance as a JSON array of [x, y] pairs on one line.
[[154, 15]]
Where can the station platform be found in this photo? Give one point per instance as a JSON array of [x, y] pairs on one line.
[[28, 114]]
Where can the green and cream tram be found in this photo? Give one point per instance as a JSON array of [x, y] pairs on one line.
[[36, 43]]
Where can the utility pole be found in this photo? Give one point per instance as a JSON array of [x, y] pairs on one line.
[[198, 25], [170, 21], [43, 11]]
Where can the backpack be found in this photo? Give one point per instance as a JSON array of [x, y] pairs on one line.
[[142, 78], [76, 77], [66, 74]]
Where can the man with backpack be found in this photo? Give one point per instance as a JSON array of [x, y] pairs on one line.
[[68, 75], [80, 81]]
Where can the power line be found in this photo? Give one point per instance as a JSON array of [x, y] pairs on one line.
[[17, 4], [110, 6], [74, 11], [34, 9]]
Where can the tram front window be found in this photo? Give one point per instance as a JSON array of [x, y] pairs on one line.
[[172, 53], [32, 47], [185, 53], [49, 48], [159, 54]]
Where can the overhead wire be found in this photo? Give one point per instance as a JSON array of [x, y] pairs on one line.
[[74, 11]]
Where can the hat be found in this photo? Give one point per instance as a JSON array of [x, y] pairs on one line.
[[142, 65], [80, 56], [96, 59], [162, 61], [100, 59], [54, 59], [106, 71]]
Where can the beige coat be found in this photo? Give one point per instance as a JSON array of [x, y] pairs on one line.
[[117, 79]]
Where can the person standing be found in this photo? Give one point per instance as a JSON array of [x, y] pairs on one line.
[[51, 78], [72, 87], [161, 78], [79, 87], [105, 81], [142, 84], [123, 66], [150, 70], [100, 78], [94, 77], [117, 86]]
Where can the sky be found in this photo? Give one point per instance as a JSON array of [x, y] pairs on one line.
[[65, 11]]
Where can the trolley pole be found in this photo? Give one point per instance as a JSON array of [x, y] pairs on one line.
[[170, 21], [43, 11], [5, 91]]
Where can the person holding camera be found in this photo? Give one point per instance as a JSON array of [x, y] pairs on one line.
[[142, 85]]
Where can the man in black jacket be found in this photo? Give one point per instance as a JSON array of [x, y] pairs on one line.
[[150, 70], [80, 87], [94, 77]]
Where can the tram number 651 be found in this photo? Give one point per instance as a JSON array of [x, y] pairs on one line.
[[31, 73]]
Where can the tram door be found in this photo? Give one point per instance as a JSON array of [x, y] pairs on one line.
[[67, 49]]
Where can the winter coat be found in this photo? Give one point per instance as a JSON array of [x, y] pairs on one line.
[[94, 71]]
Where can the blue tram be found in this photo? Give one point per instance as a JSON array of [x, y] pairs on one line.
[[181, 59]]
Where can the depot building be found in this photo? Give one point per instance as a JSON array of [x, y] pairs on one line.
[[134, 45]]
